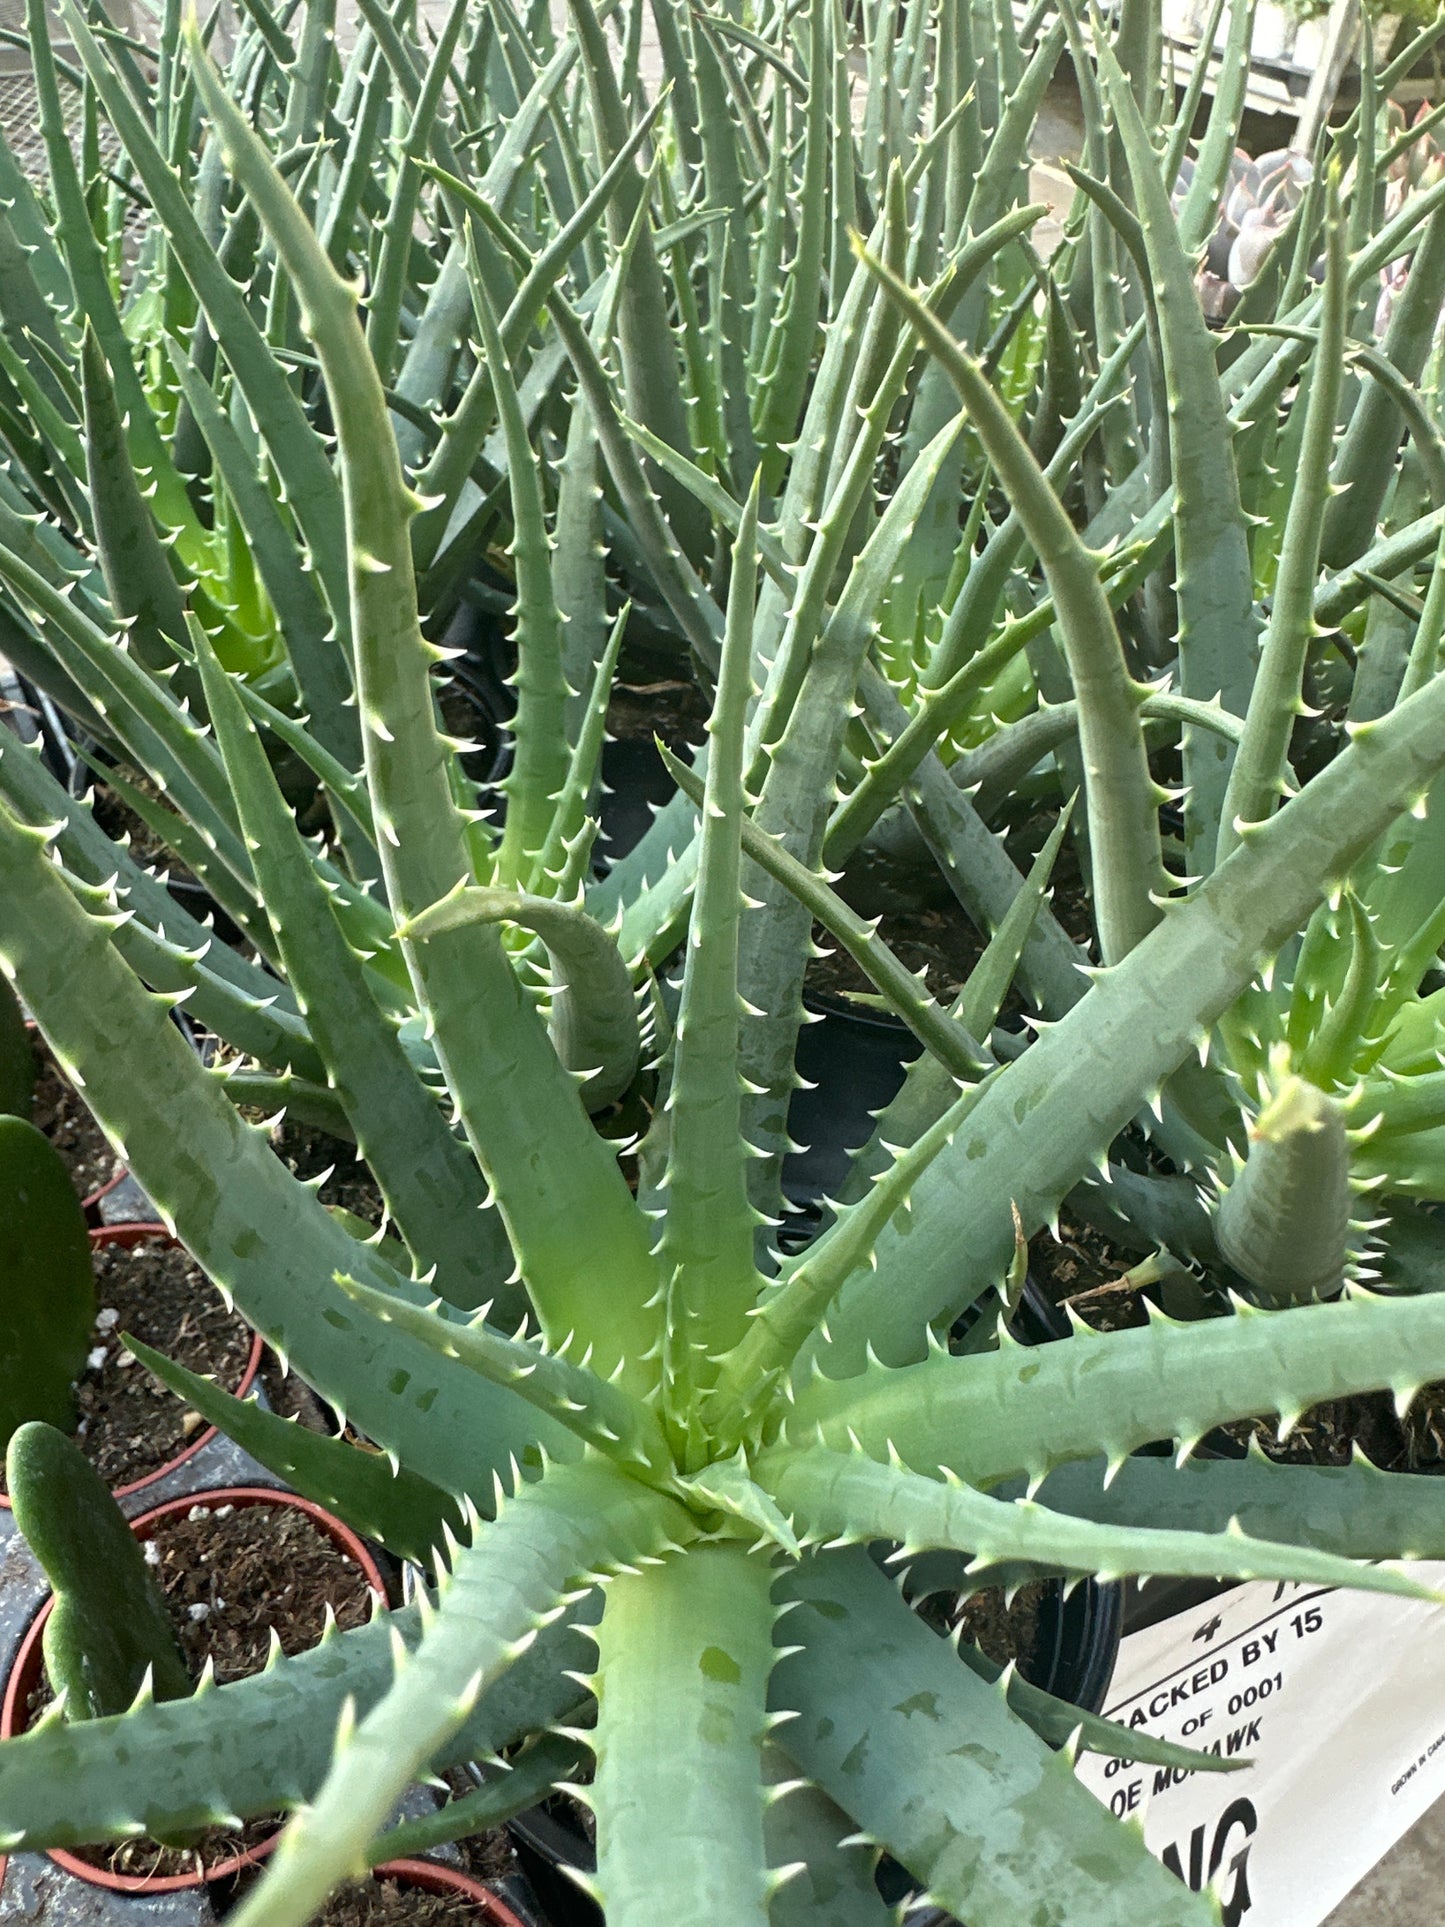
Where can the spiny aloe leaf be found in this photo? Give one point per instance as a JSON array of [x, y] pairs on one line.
[[598, 1411], [594, 1013], [293, 443], [1065, 1401], [1062, 1724], [256, 1231], [930, 1086], [946, 1037], [684, 1651], [1259, 776], [1123, 810], [1284, 1222], [383, 320], [524, 1781], [1200, 210], [230, 883], [1355, 1510], [1135, 1026], [825, 1870], [789, 348], [978, 869], [836, 1495], [408, 1514], [1365, 462], [142, 584], [707, 1239], [463, 435], [564, 860], [164, 944], [86, 270], [1214, 581], [255, 1745], [930, 1762], [539, 764], [501, 1591], [427, 1177], [525, 1121], [793, 1309], [161, 737], [322, 673], [794, 803]]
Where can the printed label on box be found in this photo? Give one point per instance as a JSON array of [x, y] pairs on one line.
[[1337, 1700]]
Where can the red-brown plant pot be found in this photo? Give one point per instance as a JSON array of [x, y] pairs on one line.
[[29, 1664], [434, 1878], [91, 1205], [126, 1236]]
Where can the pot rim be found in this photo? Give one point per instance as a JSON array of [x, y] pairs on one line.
[[126, 1235], [434, 1876], [25, 1670]]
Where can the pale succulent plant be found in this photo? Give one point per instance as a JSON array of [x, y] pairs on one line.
[[660, 1477]]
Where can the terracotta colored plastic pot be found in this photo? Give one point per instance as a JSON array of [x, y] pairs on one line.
[[434, 1878], [29, 1664], [127, 1236], [91, 1205]]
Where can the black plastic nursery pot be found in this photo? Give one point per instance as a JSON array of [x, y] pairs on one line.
[[27, 1670], [855, 1061]]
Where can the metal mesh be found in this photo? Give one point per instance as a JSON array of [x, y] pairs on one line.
[[20, 118], [20, 123]]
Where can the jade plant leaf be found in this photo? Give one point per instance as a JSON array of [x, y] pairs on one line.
[[109, 1635], [17, 1064], [47, 1290]]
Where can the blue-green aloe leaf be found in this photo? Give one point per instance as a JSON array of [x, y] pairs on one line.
[[929, 1760]]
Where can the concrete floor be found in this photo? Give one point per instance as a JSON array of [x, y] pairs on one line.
[[1407, 1888]]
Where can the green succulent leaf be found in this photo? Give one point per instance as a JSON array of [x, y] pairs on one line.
[[928, 1759], [47, 1290], [108, 1638]]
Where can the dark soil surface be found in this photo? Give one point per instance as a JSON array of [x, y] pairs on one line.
[[129, 1424], [1001, 1631], [675, 711], [229, 1574], [485, 1856], [940, 942], [309, 1152], [1081, 1269], [120, 821], [62, 1115], [291, 1397], [378, 1903], [1328, 1433]]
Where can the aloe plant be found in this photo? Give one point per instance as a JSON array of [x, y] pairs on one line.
[[659, 1471]]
